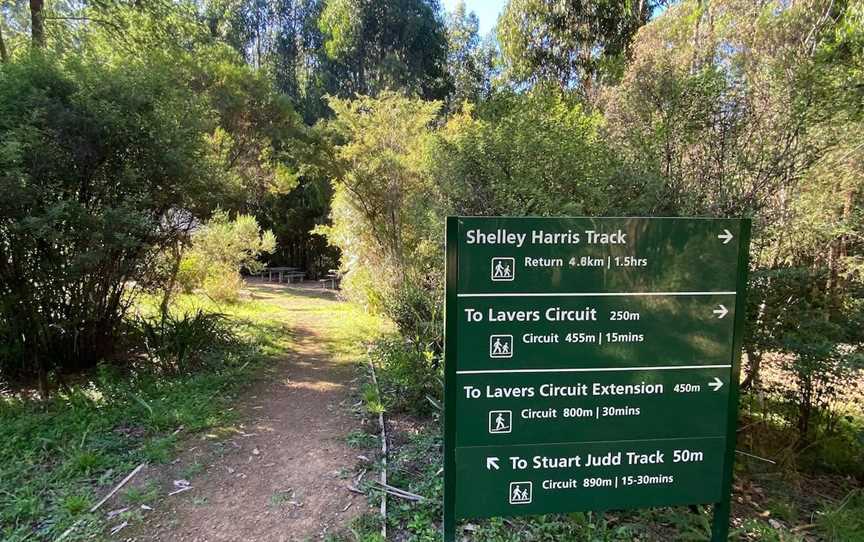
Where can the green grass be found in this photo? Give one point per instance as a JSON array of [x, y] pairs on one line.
[[361, 439], [45, 466], [281, 498], [59, 457], [141, 495], [844, 522]]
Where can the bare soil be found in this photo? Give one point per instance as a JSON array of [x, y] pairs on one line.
[[283, 474]]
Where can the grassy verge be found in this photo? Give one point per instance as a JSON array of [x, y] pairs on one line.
[[58, 458]]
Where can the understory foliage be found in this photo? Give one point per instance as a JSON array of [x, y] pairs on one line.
[[384, 216], [93, 156], [411, 375], [113, 148], [179, 344], [538, 153], [219, 250]]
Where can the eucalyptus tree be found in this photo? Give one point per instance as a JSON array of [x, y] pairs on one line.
[[386, 44], [470, 58], [571, 43]]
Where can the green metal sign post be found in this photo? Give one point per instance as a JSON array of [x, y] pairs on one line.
[[591, 364]]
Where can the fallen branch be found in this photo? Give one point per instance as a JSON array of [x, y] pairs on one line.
[[114, 513], [99, 504], [383, 456], [119, 528], [181, 490], [755, 457], [117, 487], [400, 492], [66, 533]]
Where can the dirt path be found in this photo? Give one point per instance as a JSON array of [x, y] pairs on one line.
[[284, 477]]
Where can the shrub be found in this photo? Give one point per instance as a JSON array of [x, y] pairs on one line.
[[191, 273], [410, 375], [383, 211], [179, 344], [361, 285], [220, 249], [846, 520], [538, 153], [817, 339], [222, 284], [93, 158], [416, 310]]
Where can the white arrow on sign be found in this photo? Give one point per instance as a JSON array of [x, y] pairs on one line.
[[716, 385], [492, 463], [726, 236], [721, 311]]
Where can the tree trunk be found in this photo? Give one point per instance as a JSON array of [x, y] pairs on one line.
[[4, 56], [754, 364], [177, 253], [805, 411], [44, 392], [37, 22]]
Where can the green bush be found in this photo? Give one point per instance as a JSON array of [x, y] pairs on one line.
[[845, 521], [93, 157], [417, 310], [539, 153], [816, 335], [180, 344], [220, 249], [191, 273], [222, 284], [409, 374]]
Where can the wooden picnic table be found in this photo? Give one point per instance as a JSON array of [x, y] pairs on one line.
[[333, 277], [290, 272]]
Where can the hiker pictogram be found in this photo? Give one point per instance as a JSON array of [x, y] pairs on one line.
[[521, 492], [501, 346], [500, 421], [503, 269]]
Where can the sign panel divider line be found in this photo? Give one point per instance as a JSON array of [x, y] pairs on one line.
[[595, 294], [580, 442], [593, 369]]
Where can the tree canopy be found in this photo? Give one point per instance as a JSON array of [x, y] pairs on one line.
[[570, 44], [384, 45]]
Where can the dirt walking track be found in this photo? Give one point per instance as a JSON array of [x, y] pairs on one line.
[[282, 477]]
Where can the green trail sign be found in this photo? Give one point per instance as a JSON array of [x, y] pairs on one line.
[[591, 364]]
